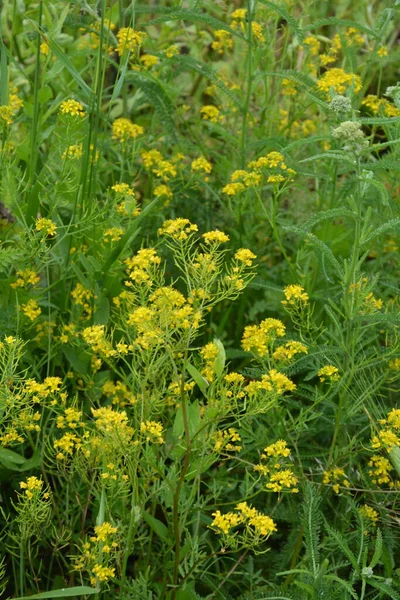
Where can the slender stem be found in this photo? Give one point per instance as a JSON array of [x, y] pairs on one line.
[[249, 77]]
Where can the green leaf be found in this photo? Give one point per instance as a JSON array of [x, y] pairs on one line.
[[78, 359], [199, 379], [291, 21], [157, 526], [219, 363], [10, 459], [80, 590], [102, 314]]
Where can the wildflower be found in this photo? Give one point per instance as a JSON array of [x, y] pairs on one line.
[[262, 524], [341, 105], [72, 108], [171, 51], [215, 237], [289, 350], [232, 189], [336, 477], [223, 41], [153, 431], [209, 353], [283, 478], [295, 295], [31, 309], [102, 573], [6, 114], [278, 448], [380, 470], [31, 485], [380, 106], [225, 441], [44, 49], [104, 531], [339, 81], [201, 164], [328, 372], [46, 225], [123, 130], [257, 338], [83, 297], [211, 113], [114, 234], [123, 188], [313, 44], [382, 52], [165, 169], [178, 229], [94, 336], [224, 523], [369, 513], [128, 40], [245, 256], [289, 88], [25, 278], [72, 152], [149, 60], [257, 32]]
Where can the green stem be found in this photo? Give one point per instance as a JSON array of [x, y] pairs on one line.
[[243, 144]]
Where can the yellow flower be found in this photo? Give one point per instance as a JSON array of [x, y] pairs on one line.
[[382, 52], [245, 256], [123, 188], [215, 237], [128, 40], [211, 113], [153, 431], [369, 513], [295, 295], [31, 310], [171, 51], [339, 81], [6, 114], [149, 60], [223, 41], [72, 108], [328, 372], [114, 234], [46, 225], [124, 130], [257, 338], [179, 229], [289, 350], [201, 164]]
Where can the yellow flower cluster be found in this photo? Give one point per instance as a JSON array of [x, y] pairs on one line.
[[201, 164], [215, 237], [95, 337], [209, 352], [270, 168], [25, 278], [113, 234], [273, 381], [259, 524], [286, 352], [328, 372], [72, 108], [245, 256], [380, 106], [31, 309], [128, 40], [83, 297], [211, 113], [119, 393], [280, 475], [380, 470], [73, 151], [148, 60], [41, 391], [6, 114], [369, 513], [258, 338], [177, 229], [339, 81], [123, 188], [71, 418], [295, 296], [239, 22], [337, 478], [142, 266], [154, 161], [225, 440], [46, 225], [222, 41], [113, 423], [31, 486], [388, 437], [153, 431], [123, 130]]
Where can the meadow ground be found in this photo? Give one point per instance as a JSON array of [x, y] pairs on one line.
[[199, 308]]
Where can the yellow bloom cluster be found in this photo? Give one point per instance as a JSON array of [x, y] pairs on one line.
[[328, 372], [222, 41], [337, 478], [239, 22], [201, 164], [31, 309], [25, 278], [95, 337], [113, 423], [154, 162], [113, 234], [50, 386], [83, 297], [369, 513], [178, 229], [123, 130], [225, 440], [211, 113], [72, 108], [270, 168], [118, 392], [149, 60], [245, 256], [380, 106], [286, 352], [46, 225], [31, 486], [128, 40], [259, 524], [142, 266], [313, 44], [380, 468], [258, 338], [339, 81], [6, 114], [153, 431], [209, 353], [388, 437], [123, 188], [215, 237], [73, 151], [71, 418], [271, 382], [280, 475], [295, 296]]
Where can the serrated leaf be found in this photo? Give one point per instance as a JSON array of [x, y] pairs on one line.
[[287, 16]]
